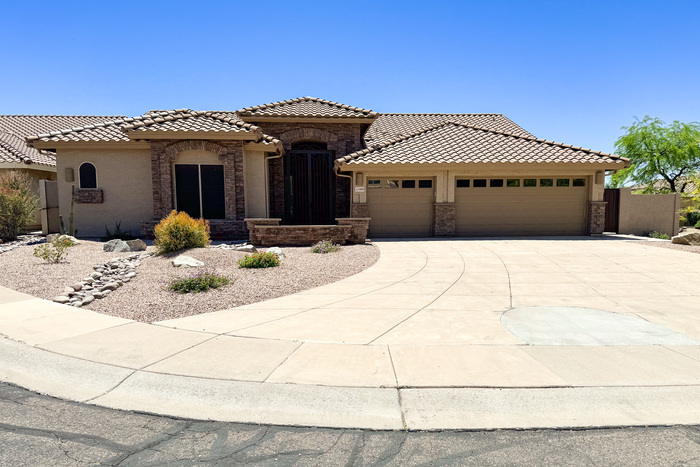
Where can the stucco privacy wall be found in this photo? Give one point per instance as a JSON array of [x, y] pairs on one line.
[[35, 175], [123, 175], [646, 213]]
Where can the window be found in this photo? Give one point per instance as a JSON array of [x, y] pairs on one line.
[[546, 182], [199, 190], [496, 183], [88, 175], [513, 182], [529, 182], [463, 183], [374, 183], [425, 183], [408, 183], [562, 182], [480, 183], [392, 183], [579, 182]]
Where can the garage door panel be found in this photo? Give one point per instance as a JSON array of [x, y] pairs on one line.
[[400, 212]]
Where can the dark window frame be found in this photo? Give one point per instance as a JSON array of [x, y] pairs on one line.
[[81, 183]]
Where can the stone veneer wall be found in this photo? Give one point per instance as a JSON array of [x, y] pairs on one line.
[[359, 210], [444, 219], [596, 217], [343, 138], [268, 232], [88, 196], [163, 155]]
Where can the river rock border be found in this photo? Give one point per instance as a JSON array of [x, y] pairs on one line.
[[21, 240], [107, 278]]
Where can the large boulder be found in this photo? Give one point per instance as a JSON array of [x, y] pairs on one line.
[[116, 246], [246, 249], [187, 262], [136, 245], [278, 251], [689, 238]]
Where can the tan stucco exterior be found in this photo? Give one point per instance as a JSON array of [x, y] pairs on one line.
[[640, 214], [124, 175], [255, 176]]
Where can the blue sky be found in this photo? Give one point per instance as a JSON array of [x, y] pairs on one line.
[[569, 71]]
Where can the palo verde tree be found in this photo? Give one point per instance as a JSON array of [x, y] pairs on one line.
[[656, 150]]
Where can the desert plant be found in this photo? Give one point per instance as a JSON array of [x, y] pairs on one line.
[[199, 282], [655, 234], [259, 260], [117, 233], [697, 225], [325, 246], [179, 231], [17, 203], [53, 252], [692, 217]]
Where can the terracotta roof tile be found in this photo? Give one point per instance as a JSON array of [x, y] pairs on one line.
[[389, 127], [308, 107], [460, 143], [13, 149]]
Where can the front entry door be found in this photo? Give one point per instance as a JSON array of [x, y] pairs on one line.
[[309, 187]]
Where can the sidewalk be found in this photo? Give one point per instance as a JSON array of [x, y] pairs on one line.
[[595, 333]]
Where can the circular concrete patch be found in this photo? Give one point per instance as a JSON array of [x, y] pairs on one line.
[[554, 325]]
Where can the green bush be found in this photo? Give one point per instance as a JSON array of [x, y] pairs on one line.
[[325, 246], [692, 217], [656, 234], [17, 203], [199, 282], [697, 225], [53, 252], [117, 233], [179, 231], [259, 260]]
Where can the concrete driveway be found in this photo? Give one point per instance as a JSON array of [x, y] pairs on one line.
[[438, 334]]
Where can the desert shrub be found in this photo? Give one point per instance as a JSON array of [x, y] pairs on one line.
[[259, 260], [697, 225], [53, 252], [179, 231], [656, 234], [325, 246], [117, 233], [199, 282], [692, 217], [17, 203]]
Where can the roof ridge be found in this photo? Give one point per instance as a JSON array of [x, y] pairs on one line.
[[306, 99], [56, 115], [438, 113]]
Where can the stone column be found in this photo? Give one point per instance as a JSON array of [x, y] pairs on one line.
[[596, 217], [359, 210], [252, 223], [358, 232], [444, 220]]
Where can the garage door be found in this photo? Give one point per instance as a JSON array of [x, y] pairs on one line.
[[400, 207], [521, 206]]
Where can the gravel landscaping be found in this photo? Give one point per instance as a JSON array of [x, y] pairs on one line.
[[146, 297]]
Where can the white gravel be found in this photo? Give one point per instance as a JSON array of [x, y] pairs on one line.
[[147, 298]]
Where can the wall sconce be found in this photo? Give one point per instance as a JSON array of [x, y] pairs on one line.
[[70, 176]]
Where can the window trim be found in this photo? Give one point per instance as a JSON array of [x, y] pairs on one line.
[[80, 180]]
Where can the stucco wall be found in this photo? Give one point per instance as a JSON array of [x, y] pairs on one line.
[[124, 175], [645, 213]]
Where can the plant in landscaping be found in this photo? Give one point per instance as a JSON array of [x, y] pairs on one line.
[[179, 231], [117, 233], [199, 282], [656, 234], [260, 260], [17, 203], [55, 251], [325, 246], [697, 225]]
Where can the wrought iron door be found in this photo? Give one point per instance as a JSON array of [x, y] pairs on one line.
[[612, 209], [309, 188]]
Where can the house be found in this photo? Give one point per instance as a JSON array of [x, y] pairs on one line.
[[16, 154], [309, 161]]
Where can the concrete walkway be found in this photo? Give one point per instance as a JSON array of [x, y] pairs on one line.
[[469, 334]]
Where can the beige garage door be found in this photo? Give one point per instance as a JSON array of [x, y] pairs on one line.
[[400, 207], [521, 206]]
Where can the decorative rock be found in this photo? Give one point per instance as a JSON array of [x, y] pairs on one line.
[[61, 299], [187, 261], [116, 246], [70, 238], [50, 238], [278, 251], [68, 290], [689, 238], [246, 249], [77, 304], [98, 294], [77, 287], [136, 245], [110, 286], [88, 299]]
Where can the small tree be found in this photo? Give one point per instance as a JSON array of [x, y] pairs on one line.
[[17, 203], [657, 150]]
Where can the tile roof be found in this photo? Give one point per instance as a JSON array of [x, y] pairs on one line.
[[307, 107], [13, 150], [662, 186], [161, 120], [455, 142], [389, 127]]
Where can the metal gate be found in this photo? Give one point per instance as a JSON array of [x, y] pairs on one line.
[[309, 188], [612, 209], [48, 197]]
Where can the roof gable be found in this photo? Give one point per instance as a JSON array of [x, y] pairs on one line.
[[455, 142], [307, 107]]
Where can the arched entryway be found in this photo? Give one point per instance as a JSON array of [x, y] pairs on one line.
[[309, 184]]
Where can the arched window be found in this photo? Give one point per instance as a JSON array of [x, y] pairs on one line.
[[88, 175], [309, 146]]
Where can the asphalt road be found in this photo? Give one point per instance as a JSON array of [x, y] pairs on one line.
[[40, 430]]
